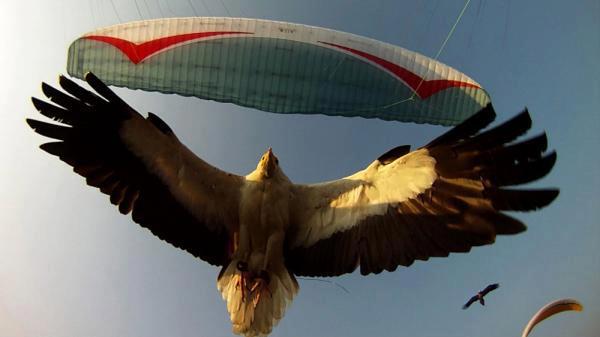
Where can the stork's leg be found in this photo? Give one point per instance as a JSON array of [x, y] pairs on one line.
[[273, 257], [243, 246], [242, 254]]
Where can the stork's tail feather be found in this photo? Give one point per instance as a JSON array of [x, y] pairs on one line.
[[254, 305]]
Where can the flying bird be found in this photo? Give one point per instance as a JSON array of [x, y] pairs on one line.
[[263, 230], [480, 295]]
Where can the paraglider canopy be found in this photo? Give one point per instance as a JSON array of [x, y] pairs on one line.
[[278, 67], [550, 309]]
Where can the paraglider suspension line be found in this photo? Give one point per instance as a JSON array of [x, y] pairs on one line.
[[116, 12], [325, 281], [437, 55]]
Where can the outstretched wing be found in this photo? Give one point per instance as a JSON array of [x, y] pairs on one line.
[[142, 165], [471, 301], [490, 288], [444, 197]]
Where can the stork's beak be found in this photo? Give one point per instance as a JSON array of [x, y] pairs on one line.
[[268, 156], [269, 162]]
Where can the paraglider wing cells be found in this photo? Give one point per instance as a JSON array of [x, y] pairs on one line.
[[278, 67]]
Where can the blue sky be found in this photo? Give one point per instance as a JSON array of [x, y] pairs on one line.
[[71, 265]]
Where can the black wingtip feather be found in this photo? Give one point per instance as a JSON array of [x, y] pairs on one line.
[[521, 200], [37, 103], [63, 99], [49, 130], [31, 123], [159, 123], [55, 112], [102, 89], [47, 90], [521, 173], [89, 76], [37, 126], [53, 148], [544, 165], [468, 127], [507, 225], [551, 197], [394, 154], [537, 143], [67, 83], [78, 91], [501, 134]]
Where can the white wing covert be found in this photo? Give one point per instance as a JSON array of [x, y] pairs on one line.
[[338, 205]]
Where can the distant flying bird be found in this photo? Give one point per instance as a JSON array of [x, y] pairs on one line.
[[480, 295], [263, 230]]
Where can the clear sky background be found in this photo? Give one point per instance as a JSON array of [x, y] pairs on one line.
[[71, 265]]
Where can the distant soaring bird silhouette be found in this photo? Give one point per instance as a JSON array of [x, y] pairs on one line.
[[480, 295]]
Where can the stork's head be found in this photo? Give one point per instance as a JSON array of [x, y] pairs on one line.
[[268, 165], [268, 168]]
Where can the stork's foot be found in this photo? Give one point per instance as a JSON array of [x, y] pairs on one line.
[[261, 280], [264, 275], [260, 286]]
